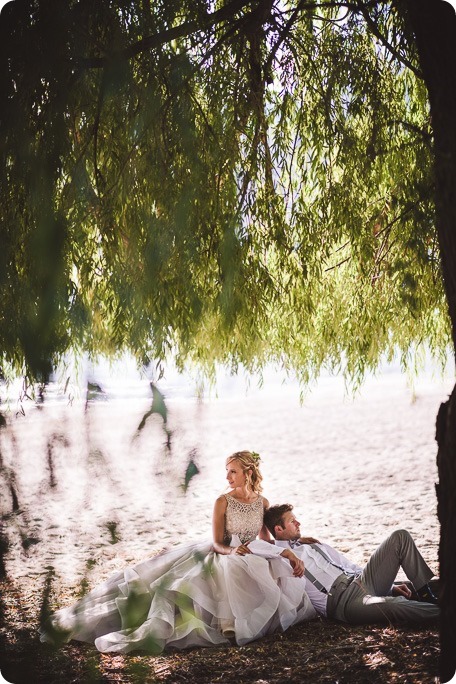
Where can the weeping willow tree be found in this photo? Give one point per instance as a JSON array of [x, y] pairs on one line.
[[230, 182], [239, 185]]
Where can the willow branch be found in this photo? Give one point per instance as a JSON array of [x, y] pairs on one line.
[[163, 37], [377, 33]]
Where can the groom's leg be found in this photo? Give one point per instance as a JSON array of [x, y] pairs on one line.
[[398, 550], [357, 608], [367, 599]]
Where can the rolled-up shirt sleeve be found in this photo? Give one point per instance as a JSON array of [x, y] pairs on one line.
[[263, 548]]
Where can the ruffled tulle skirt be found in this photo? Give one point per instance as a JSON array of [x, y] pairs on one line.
[[188, 596]]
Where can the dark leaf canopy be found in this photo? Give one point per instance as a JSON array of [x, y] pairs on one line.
[[233, 182]]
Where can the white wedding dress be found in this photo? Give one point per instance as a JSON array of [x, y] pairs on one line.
[[190, 596]]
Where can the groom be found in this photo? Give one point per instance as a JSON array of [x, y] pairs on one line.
[[344, 591]]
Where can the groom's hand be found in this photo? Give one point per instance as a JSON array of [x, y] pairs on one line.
[[298, 566], [295, 562], [401, 590]]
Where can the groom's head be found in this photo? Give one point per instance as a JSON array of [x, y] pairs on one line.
[[281, 522]]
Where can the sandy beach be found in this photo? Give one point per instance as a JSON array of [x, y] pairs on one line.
[[94, 493]]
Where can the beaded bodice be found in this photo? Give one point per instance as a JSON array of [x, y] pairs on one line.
[[243, 519]]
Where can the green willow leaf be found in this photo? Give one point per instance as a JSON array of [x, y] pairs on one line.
[[196, 180]]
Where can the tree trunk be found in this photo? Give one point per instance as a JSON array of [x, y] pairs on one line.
[[433, 23], [446, 488]]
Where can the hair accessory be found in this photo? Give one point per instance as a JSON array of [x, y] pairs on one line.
[[255, 456]]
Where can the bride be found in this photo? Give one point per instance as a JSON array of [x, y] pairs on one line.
[[235, 587]]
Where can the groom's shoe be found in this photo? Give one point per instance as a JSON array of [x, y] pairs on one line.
[[426, 594]]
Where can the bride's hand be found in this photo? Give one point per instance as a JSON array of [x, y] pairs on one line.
[[241, 550], [308, 540]]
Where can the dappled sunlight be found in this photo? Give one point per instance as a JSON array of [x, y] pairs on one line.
[[375, 660]]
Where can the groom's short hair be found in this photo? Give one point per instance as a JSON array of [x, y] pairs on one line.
[[274, 516]]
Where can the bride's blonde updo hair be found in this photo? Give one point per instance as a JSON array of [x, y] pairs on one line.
[[249, 461]]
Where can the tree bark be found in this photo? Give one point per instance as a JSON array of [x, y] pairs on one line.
[[446, 509], [433, 23]]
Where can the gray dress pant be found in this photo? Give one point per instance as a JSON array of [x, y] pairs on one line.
[[367, 597]]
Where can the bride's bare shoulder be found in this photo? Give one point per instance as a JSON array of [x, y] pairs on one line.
[[220, 501]]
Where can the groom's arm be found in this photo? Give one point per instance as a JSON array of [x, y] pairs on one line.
[[260, 547], [263, 548]]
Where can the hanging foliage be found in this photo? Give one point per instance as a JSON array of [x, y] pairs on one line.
[[236, 182]]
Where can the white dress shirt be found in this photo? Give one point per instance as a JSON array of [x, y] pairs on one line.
[[324, 571]]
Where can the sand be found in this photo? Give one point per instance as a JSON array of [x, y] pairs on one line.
[[95, 494]]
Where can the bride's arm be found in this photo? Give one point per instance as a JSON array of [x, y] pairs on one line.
[[218, 527], [264, 532]]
